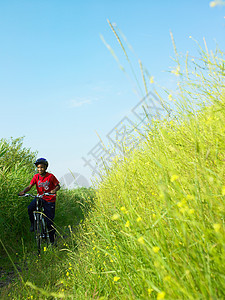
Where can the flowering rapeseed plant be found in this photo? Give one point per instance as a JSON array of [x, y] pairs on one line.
[[155, 249], [127, 224], [217, 227], [161, 295], [216, 3], [223, 190], [115, 217], [116, 278], [174, 178], [141, 240]]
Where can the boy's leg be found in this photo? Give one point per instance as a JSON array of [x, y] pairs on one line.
[[31, 208], [49, 211]]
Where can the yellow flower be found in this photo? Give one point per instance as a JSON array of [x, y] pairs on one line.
[[183, 210], [155, 249], [176, 71], [115, 217], [170, 97], [179, 204], [116, 278], [141, 240], [139, 219], [173, 178], [156, 264], [191, 211], [151, 79], [161, 295], [45, 249], [223, 190], [216, 227], [150, 291], [123, 209], [127, 224], [167, 278], [216, 3], [67, 273], [212, 4]]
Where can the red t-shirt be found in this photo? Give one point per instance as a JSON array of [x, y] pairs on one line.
[[45, 185]]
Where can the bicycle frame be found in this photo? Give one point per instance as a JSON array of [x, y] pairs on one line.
[[40, 224]]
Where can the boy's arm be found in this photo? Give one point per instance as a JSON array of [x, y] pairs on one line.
[[25, 190], [55, 189]]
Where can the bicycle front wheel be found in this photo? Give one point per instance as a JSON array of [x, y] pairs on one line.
[[45, 231], [38, 231]]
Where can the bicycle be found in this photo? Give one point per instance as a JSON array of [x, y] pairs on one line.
[[40, 224]]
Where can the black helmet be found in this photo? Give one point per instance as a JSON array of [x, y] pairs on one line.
[[41, 161]]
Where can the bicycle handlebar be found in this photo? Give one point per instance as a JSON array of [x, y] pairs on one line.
[[38, 196]]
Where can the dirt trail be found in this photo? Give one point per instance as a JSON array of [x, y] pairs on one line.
[[7, 275]]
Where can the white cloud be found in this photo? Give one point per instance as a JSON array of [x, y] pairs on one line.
[[79, 102]]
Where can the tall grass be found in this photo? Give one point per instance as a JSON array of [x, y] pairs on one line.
[[158, 227], [16, 169]]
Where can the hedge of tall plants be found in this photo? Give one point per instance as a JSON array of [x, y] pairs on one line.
[[16, 169]]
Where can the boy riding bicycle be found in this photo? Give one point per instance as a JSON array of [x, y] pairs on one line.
[[45, 183]]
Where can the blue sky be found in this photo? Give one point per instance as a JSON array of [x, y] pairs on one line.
[[60, 84]]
